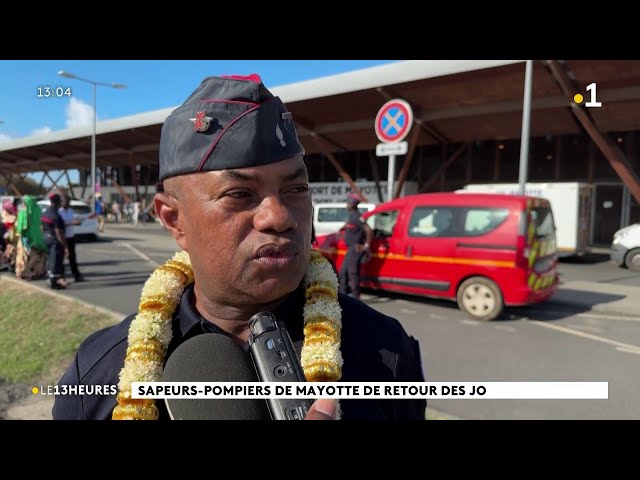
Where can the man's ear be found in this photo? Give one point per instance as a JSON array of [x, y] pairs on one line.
[[168, 211]]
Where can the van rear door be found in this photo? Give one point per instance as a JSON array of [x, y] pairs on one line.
[[540, 248]]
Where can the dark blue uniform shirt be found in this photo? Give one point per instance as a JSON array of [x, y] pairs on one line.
[[375, 348], [51, 220], [354, 233]]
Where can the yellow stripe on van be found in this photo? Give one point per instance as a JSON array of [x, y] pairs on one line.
[[533, 254], [449, 260]]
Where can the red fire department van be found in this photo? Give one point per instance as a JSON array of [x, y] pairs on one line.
[[485, 251]]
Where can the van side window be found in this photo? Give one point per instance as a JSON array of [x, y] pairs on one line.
[[382, 223], [432, 222], [455, 221], [336, 214], [332, 214], [483, 220]]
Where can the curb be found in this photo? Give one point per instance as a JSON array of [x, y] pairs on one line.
[[586, 308], [25, 283]]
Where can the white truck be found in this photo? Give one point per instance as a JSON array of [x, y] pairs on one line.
[[571, 203]]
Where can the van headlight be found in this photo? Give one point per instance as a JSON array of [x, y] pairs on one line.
[[618, 236]]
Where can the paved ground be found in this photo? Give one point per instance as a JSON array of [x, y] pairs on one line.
[[531, 344], [117, 266], [590, 331]]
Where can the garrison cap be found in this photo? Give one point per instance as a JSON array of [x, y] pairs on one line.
[[228, 122]]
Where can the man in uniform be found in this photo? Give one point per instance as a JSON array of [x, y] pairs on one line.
[[357, 236], [69, 217], [236, 197], [54, 229]]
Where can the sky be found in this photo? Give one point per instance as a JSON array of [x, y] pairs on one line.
[[151, 85]]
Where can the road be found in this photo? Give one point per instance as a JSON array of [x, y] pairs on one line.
[[599, 270], [531, 345], [548, 342]]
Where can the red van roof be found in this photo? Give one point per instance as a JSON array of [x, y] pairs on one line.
[[460, 198]]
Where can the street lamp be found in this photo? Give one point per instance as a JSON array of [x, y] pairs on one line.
[[65, 74]]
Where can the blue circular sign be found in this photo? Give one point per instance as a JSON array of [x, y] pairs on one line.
[[394, 121]]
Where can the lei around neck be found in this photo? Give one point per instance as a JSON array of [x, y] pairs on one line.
[[150, 331]]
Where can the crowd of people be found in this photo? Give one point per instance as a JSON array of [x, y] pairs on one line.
[[34, 244], [135, 211]]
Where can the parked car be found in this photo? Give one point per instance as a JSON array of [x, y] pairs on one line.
[[485, 251], [625, 248], [89, 222], [330, 217]]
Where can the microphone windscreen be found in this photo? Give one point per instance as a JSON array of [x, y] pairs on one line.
[[212, 357]]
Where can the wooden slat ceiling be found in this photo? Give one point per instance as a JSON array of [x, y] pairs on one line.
[[478, 105]]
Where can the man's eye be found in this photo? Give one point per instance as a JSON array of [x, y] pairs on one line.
[[239, 195], [300, 189]]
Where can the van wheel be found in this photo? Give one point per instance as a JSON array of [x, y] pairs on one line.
[[632, 260], [481, 298]]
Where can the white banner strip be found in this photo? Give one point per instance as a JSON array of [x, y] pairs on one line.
[[385, 390]]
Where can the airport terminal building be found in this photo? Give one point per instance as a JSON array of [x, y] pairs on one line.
[[467, 129]]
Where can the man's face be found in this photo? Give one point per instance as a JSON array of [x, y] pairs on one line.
[[66, 201], [247, 231]]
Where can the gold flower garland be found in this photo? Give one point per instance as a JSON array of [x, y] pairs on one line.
[[150, 331]]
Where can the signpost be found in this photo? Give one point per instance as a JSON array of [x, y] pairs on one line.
[[387, 149], [393, 123]]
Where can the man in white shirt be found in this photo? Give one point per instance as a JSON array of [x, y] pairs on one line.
[[136, 212], [69, 217]]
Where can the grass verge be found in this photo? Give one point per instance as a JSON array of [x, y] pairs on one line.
[[39, 334]]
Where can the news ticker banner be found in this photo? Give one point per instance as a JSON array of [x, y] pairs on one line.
[[382, 390]]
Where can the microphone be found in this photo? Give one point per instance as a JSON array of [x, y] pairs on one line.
[[212, 357], [276, 360]]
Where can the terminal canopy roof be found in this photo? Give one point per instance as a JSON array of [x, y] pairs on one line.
[[453, 101]]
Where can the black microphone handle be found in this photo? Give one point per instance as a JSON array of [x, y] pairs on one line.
[[275, 360]]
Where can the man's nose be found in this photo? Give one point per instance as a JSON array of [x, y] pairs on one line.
[[273, 214]]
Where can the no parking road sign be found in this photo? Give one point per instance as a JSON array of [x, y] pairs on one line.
[[394, 121]]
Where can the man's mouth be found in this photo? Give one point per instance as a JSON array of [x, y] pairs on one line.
[[276, 256]]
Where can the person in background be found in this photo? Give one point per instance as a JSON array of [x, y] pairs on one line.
[[69, 217], [115, 211], [100, 211], [357, 236], [54, 236], [31, 249], [136, 212], [8, 220]]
